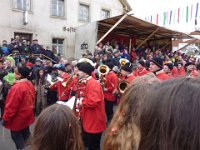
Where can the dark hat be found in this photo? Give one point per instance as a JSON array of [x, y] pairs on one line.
[[170, 65], [189, 63], [109, 63], [12, 39], [24, 71], [127, 67], [35, 40], [158, 62], [61, 67], [141, 62], [85, 67]]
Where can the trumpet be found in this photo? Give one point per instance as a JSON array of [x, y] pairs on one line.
[[68, 80], [123, 86], [123, 61]]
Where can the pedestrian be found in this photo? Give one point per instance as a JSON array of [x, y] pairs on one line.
[[18, 112], [57, 128], [41, 91]]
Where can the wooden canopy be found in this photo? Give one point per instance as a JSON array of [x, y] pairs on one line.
[[131, 26]]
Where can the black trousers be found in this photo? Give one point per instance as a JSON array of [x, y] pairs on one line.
[[92, 140], [20, 137], [109, 109], [2, 103]]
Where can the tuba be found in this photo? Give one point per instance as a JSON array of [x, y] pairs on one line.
[[123, 86], [123, 61]]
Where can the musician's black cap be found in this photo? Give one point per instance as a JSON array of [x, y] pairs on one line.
[[128, 67], [85, 67]]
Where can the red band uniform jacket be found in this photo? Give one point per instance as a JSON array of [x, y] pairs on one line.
[[111, 83], [92, 112], [62, 92], [19, 106]]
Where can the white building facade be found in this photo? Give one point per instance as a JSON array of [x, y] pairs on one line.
[[53, 22]]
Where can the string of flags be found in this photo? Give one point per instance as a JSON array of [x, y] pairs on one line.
[[185, 14]]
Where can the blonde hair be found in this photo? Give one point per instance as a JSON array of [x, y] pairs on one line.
[[123, 131]]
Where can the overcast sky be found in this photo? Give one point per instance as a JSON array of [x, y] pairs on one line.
[[143, 8]]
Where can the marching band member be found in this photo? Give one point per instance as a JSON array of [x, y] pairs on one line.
[[92, 111], [141, 70], [111, 84], [62, 92], [126, 72], [156, 66]]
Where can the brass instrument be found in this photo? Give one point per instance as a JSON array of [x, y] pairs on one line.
[[68, 80], [123, 86], [123, 61], [103, 70]]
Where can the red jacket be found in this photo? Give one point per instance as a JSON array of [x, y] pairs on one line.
[[62, 92], [92, 112], [174, 72], [130, 78], [140, 72], [161, 75], [181, 72], [111, 83], [19, 106]]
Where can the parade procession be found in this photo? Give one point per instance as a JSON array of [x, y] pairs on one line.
[[115, 76]]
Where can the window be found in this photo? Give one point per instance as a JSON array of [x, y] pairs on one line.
[[84, 12], [58, 45], [57, 8], [105, 14], [22, 4]]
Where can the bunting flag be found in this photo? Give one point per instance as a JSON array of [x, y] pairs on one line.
[[157, 19], [178, 15], [197, 8], [187, 11], [164, 18], [170, 18], [191, 11], [151, 19]]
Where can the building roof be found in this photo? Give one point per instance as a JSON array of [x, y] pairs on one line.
[[140, 29], [126, 5]]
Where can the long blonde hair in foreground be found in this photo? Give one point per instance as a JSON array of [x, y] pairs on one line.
[[123, 132]]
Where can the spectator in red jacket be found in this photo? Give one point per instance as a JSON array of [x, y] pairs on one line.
[[156, 66], [18, 113], [181, 70], [92, 111], [141, 70]]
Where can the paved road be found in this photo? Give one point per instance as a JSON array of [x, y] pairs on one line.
[[6, 142]]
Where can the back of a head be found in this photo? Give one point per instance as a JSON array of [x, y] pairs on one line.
[[123, 132], [170, 116], [57, 128]]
